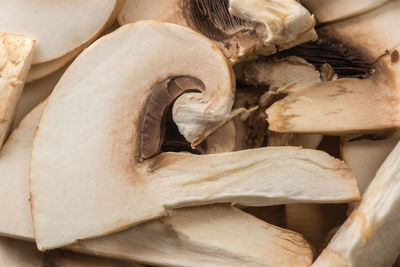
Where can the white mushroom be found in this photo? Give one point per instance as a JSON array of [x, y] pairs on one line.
[[201, 236], [58, 27], [328, 11], [15, 61], [257, 27], [349, 105], [370, 237], [365, 156], [96, 144], [15, 253]]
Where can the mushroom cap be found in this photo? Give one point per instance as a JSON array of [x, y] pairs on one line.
[[350, 105], [97, 172], [52, 23], [15, 61], [328, 11]]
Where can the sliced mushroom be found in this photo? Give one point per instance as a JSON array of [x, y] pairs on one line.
[[264, 27], [202, 236], [328, 11], [370, 236], [16, 253], [365, 156], [15, 61], [348, 105], [94, 122], [58, 27]]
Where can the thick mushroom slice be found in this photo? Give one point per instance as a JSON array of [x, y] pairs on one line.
[[96, 147], [348, 105], [51, 24], [328, 11], [365, 155], [241, 29], [15, 253], [16, 58], [201, 236], [370, 237]]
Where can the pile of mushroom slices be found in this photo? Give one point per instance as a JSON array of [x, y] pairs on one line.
[[191, 133]]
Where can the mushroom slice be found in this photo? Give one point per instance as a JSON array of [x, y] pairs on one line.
[[365, 156], [349, 105], [256, 27], [45, 22], [94, 121], [15, 253], [16, 57], [372, 227], [186, 238], [328, 11]]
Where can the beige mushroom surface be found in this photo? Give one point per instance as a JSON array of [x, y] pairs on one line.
[[16, 57], [241, 29], [201, 236], [15, 253], [328, 11], [368, 103], [89, 155], [370, 235], [52, 23]]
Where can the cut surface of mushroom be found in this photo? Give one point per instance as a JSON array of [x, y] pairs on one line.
[[16, 57], [372, 227], [183, 239], [349, 105], [46, 22], [15, 253], [365, 156], [328, 11], [266, 27], [115, 178]]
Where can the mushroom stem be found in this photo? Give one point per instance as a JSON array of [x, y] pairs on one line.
[[252, 177], [373, 227]]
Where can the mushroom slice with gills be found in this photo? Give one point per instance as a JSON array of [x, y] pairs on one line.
[[45, 22], [328, 11], [15, 253], [111, 176], [186, 238], [16, 57], [257, 27], [348, 105], [373, 226], [365, 154]]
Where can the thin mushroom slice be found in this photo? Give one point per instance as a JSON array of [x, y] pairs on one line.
[[328, 11], [349, 105], [241, 29], [15, 253], [201, 236], [51, 24], [94, 122], [365, 156], [370, 237], [15, 61]]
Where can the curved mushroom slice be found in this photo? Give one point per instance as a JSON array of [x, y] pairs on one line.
[[45, 22], [349, 105], [373, 227], [365, 156], [16, 253], [16, 57], [328, 11], [42, 70], [202, 236], [265, 27], [114, 170]]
